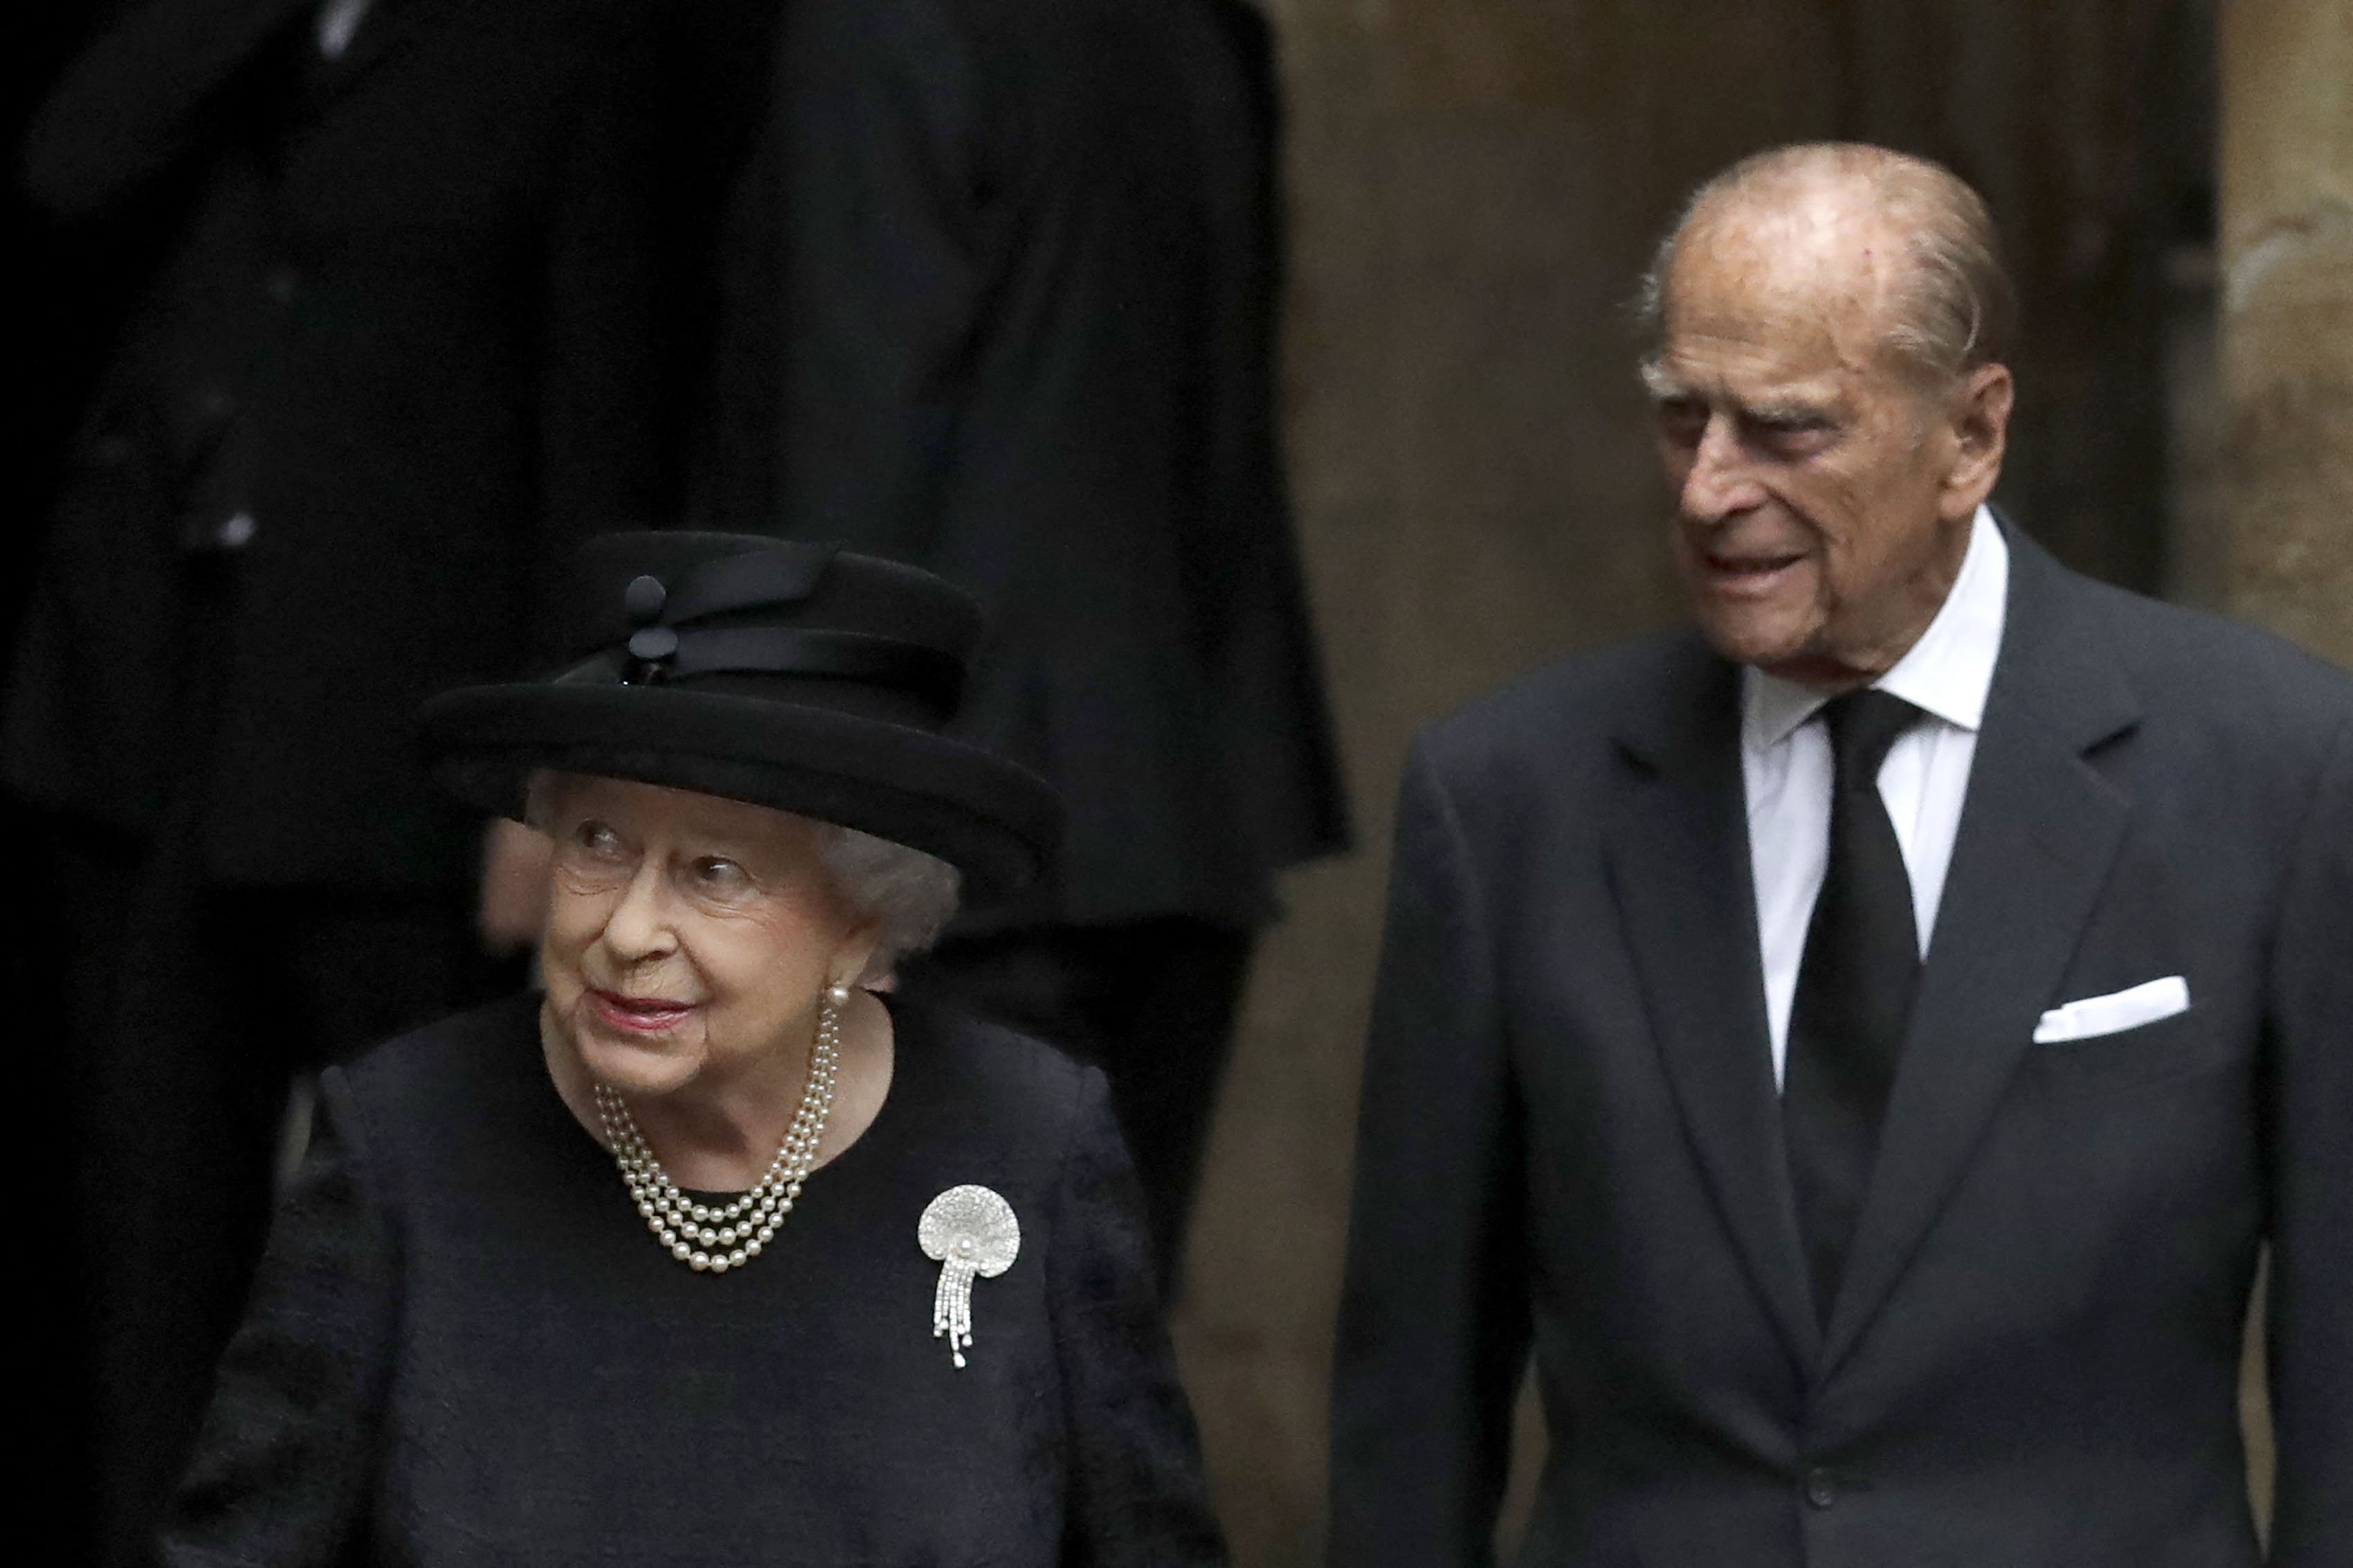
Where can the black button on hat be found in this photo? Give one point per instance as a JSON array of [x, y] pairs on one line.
[[643, 600], [650, 643]]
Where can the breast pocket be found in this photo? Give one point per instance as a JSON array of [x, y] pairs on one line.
[[2184, 1046]]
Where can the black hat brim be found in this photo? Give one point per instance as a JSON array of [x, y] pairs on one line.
[[994, 821]]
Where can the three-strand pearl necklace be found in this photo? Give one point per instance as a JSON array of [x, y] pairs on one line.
[[713, 1239]]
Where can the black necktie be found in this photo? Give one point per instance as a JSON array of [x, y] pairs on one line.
[[1854, 991]]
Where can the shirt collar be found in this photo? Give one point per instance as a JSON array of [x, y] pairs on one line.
[[338, 21], [1947, 672]]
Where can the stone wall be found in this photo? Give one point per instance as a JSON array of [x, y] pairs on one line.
[[2287, 315], [2287, 329]]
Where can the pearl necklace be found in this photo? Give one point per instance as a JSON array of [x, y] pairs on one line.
[[717, 1237]]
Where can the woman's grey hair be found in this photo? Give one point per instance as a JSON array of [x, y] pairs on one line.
[[909, 895], [1957, 308]]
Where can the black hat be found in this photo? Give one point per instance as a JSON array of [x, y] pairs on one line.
[[787, 674]]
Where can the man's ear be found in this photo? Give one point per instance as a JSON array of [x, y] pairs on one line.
[[1979, 413]]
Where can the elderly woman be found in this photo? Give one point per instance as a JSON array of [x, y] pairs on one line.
[[710, 1252]]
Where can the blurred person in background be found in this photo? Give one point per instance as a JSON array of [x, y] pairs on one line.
[[399, 337], [1001, 302], [68, 289]]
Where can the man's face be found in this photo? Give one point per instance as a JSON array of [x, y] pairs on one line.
[[1823, 498]]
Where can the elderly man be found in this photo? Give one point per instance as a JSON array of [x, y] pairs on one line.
[[1862, 1043]]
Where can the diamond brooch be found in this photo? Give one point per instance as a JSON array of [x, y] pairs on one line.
[[969, 1232]]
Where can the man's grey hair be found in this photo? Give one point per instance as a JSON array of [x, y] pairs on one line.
[[1957, 308]]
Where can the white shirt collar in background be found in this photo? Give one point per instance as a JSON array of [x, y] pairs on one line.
[[339, 20]]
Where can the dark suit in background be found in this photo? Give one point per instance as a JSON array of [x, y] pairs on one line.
[[398, 341], [1571, 1138], [70, 288], [1002, 304], [67, 288]]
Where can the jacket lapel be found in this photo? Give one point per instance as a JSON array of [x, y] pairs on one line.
[[137, 100], [1680, 871], [2039, 831]]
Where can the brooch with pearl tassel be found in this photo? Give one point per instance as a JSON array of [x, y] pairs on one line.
[[970, 1233]]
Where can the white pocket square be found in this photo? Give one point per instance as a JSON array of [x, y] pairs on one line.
[[2114, 1012]]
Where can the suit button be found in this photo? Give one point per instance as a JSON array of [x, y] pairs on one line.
[[1821, 1488], [216, 403], [235, 532], [283, 281]]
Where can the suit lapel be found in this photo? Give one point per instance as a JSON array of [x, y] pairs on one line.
[[137, 100], [1680, 872], [133, 104], [2039, 831]]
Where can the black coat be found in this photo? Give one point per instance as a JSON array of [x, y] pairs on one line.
[[1002, 304], [465, 1347], [1572, 1137], [409, 320]]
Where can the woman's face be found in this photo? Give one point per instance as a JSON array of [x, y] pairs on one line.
[[688, 937]]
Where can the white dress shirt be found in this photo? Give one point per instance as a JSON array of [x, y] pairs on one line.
[[1785, 764], [338, 21]]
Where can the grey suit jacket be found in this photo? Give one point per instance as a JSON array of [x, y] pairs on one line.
[[1571, 1138]]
